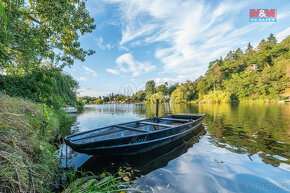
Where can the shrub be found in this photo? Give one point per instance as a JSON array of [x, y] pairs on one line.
[[217, 97], [156, 96], [49, 85]]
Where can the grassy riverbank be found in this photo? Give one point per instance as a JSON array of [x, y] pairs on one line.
[[27, 153], [28, 161]]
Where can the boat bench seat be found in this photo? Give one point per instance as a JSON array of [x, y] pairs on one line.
[[131, 128], [175, 120], [155, 124]]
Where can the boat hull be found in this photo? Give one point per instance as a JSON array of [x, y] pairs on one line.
[[134, 149], [138, 144]]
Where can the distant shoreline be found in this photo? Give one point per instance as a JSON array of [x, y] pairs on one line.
[[204, 102]]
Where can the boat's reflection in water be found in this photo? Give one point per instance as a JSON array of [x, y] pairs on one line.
[[145, 162]]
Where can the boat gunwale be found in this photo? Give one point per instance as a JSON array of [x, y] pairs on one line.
[[100, 128], [201, 116], [144, 142]]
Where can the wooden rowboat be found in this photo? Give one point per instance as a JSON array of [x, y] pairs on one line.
[[135, 137]]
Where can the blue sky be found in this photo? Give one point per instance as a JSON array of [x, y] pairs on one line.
[[167, 40]]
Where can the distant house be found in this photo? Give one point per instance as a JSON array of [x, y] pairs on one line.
[[254, 67]]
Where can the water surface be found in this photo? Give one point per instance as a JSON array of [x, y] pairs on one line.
[[242, 148]]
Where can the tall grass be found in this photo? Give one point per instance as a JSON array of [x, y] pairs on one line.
[[27, 160]]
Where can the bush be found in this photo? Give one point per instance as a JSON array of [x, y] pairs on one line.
[[48, 85], [181, 95], [156, 96], [218, 97]]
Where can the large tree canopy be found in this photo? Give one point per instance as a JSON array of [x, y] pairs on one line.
[[42, 30]]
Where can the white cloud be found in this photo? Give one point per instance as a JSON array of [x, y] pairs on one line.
[[95, 7], [282, 14], [82, 79], [192, 32], [177, 79], [283, 34], [101, 45], [113, 71], [91, 92], [127, 64], [90, 71]]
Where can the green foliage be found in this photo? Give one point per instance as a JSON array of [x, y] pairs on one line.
[[257, 75], [3, 14], [104, 99], [28, 161], [202, 87], [156, 96], [44, 85], [249, 75], [217, 97], [139, 96], [186, 92], [180, 95], [150, 89], [163, 88], [172, 88], [87, 182], [38, 39], [215, 74], [43, 30], [272, 39], [98, 101]]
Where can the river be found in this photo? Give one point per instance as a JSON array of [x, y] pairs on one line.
[[242, 148]]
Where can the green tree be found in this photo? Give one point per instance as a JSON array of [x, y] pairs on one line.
[[51, 84], [180, 95], [238, 53], [172, 88], [249, 51], [272, 39], [261, 44], [139, 96], [163, 88], [43, 30], [215, 75], [202, 88], [119, 98], [98, 101], [150, 89], [106, 99], [156, 96], [229, 56]]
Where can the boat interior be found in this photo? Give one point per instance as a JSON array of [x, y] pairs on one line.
[[129, 129]]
